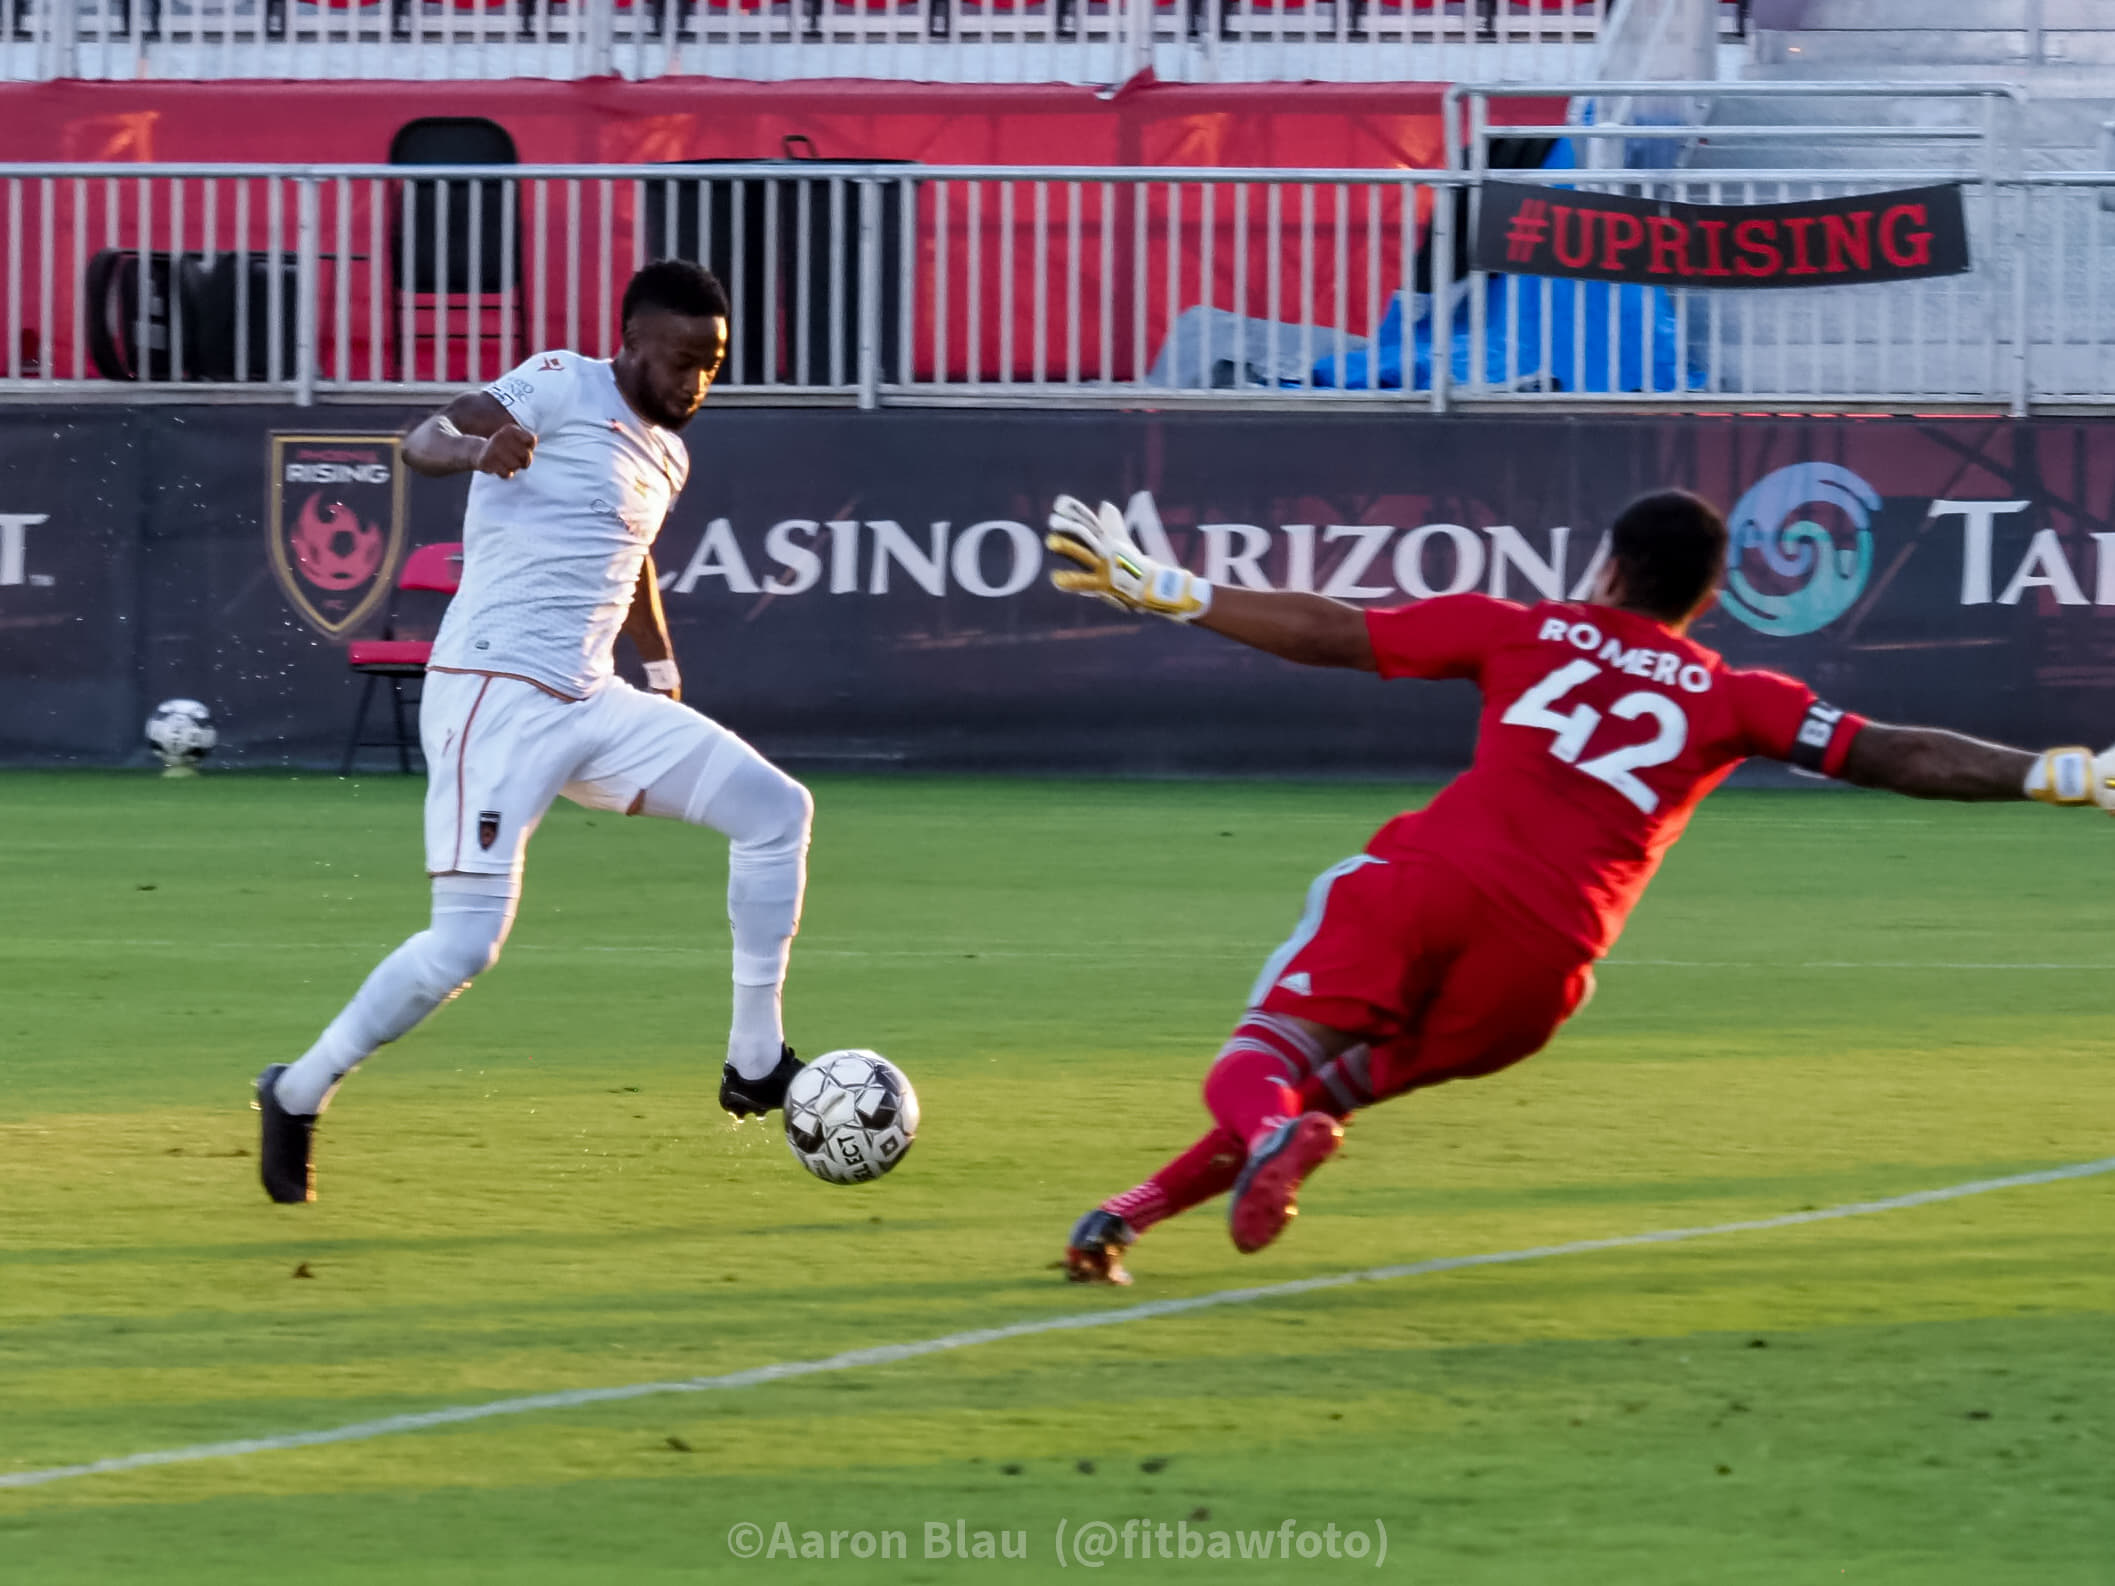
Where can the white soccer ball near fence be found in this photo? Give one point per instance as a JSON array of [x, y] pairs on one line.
[[181, 731]]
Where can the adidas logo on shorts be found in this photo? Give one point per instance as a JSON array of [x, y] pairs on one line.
[[1297, 983]]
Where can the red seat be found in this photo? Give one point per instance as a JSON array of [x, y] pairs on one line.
[[431, 569], [408, 656], [435, 567]]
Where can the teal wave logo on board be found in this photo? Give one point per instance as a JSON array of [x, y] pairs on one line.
[[1786, 572]]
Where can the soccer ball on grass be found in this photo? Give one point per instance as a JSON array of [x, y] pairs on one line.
[[181, 732], [850, 1116]]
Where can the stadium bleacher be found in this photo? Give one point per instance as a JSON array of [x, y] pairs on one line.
[[1086, 41]]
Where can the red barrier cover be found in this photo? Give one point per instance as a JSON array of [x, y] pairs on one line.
[[608, 121]]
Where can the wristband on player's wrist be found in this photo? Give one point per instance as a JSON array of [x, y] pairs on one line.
[[1178, 593], [2062, 776], [662, 677]]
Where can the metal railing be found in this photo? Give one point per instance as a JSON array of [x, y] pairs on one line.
[[1053, 286], [1714, 123], [1080, 41]]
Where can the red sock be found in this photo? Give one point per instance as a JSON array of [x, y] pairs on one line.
[[1254, 1082], [1340, 1086], [1251, 1084], [1246, 1092], [1207, 1169]]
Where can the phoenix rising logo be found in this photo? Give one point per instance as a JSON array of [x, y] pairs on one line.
[[333, 548], [335, 526]]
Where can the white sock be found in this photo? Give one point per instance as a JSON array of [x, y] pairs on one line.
[[757, 1033], [766, 816], [471, 917]]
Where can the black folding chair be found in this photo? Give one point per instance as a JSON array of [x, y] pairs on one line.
[[419, 267]]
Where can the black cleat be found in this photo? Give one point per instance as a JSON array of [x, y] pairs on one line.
[[745, 1096], [1095, 1252], [284, 1144]]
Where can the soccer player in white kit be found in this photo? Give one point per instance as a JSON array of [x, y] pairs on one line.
[[577, 463]]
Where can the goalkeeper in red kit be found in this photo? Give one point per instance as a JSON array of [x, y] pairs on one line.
[[1467, 931]]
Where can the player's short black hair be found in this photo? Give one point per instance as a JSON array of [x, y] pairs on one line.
[[1671, 548], [676, 286]]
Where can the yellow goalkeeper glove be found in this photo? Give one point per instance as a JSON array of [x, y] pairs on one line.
[[2073, 776], [1114, 569]]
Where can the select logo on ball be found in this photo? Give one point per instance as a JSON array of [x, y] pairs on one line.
[[334, 525]]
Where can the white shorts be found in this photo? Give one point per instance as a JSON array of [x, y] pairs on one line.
[[499, 749]]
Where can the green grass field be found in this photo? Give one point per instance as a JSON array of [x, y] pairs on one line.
[[1827, 998]]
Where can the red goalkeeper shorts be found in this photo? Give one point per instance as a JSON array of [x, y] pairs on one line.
[[1442, 983]]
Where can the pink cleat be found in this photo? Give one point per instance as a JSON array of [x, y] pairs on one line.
[[1268, 1186]]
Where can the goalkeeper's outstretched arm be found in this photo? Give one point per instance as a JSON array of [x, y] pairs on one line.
[[1311, 629], [1931, 763]]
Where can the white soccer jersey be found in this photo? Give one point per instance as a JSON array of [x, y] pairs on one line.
[[551, 557]]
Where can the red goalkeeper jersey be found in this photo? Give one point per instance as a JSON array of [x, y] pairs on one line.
[[1601, 731]]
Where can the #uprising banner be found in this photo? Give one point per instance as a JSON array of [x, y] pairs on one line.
[[1867, 237]]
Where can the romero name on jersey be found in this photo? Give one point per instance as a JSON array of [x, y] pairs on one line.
[[1600, 732]]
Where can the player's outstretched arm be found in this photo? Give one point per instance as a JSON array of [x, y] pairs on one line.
[[1112, 567], [1930, 763], [475, 432], [1311, 629]]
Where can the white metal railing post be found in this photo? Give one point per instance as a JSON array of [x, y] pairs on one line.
[[602, 35], [64, 20], [869, 293], [2022, 256], [307, 255], [1140, 54], [1441, 313], [2003, 160]]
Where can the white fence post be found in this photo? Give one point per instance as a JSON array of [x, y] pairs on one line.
[[306, 271], [59, 51], [2022, 324], [1442, 311], [602, 35], [1138, 17], [869, 293]]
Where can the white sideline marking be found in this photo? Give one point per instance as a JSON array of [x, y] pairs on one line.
[[889, 1354]]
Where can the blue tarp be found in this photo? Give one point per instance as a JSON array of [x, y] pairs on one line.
[[1570, 303]]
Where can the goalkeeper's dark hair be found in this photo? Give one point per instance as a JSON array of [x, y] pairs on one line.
[[1670, 548], [675, 286]]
